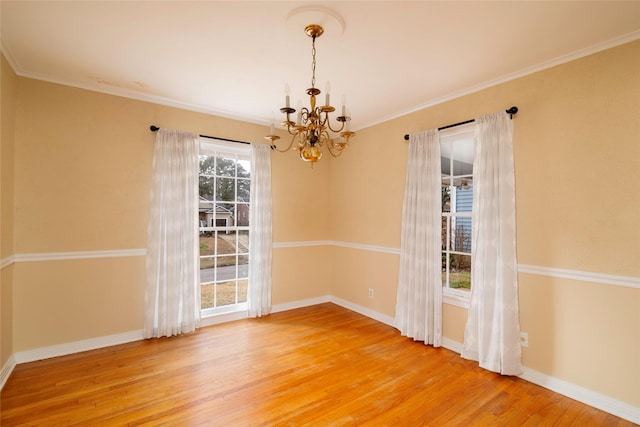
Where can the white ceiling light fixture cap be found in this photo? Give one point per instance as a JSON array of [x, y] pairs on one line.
[[330, 20]]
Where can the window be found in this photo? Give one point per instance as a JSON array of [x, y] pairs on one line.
[[456, 155], [223, 210]]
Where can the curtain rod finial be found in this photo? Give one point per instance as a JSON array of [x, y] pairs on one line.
[[406, 137], [154, 128]]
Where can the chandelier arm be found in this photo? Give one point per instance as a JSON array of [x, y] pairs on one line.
[[322, 122], [304, 115], [324, 138], [332, 129], [286, 149], [339, 152]]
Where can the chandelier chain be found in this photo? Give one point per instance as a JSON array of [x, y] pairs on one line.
[[313, 62]]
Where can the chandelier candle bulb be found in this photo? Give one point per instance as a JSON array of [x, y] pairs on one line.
[[344, 105], [287, 92], [327, 96]]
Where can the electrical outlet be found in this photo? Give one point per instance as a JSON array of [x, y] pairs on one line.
[[370, 293], [524, 339]]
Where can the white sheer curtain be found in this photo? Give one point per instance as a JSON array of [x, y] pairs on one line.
[[492, 333], [260, 242], [172, 300], [419, 295]]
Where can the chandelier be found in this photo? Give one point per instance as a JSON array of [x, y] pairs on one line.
[[311, 129]]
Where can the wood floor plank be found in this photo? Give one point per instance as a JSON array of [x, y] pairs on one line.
[[319, 366]]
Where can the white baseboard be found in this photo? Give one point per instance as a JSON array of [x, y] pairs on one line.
[[125, 337], [300, 303], [7, 369], [77, 346], [382, 318], [591, 398], [581, 394], [452, 345]]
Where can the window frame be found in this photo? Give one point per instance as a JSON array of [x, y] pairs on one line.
[[216, 147], [455, 296]]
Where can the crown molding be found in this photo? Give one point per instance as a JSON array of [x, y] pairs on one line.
[[617, 41]]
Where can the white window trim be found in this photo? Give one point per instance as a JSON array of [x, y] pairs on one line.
[[456, 297], [225, 309]]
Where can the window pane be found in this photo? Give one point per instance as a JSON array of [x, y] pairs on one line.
[[446, 196], [462, 152], [226, 293], [244, 189], [444, 271], [206, 188], [225, 189], [463, 194], [242, 290], [242, 215], [460, 234], [206, 164], [207, 295], [225, 167], [460, 272], [445, 158], [444, 233], [205, 213], [239, 240], [243, 241], [224, 216], [225, 268], [463, 183], [206, 269], [207, 243], [244, 168], [226, 242], [243, 266]]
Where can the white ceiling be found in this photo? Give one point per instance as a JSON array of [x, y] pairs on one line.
[[233, 58]]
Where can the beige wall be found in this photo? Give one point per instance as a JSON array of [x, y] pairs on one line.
[[82, 173], [577, 156], [83, 167], [8, 87]]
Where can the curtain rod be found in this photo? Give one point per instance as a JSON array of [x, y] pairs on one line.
[[154, 128], [511, 111]]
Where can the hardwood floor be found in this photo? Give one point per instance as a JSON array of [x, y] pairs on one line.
[[319, 366]]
